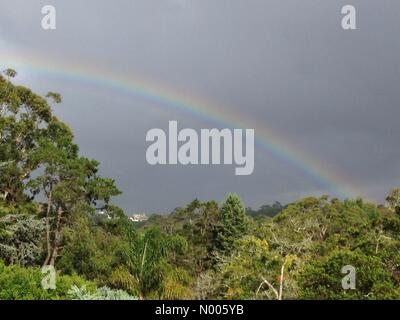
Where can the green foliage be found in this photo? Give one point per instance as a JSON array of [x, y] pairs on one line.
[[199, 227], [265, 211], [147, 257], [89, 250], [34, 140], [17, 283], [54, 96], [48, 198], [21, 239], [288, 256], [103, 293], [234, 224], [322, 279], [25, 120], [394, 200], [253, 271], [11, 73], [240, 272]]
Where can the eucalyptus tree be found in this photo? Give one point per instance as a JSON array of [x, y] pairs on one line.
[[24, 120], [39, 160]]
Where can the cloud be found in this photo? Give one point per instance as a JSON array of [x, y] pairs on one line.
[[181, 3], [333, 94]]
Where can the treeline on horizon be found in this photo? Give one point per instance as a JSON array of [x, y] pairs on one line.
[[264, 211], [205, 250]]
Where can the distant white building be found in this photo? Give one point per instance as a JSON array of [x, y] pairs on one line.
[[103, 213], [139, 217]]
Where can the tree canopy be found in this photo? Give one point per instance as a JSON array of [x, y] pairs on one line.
[[50, 193]]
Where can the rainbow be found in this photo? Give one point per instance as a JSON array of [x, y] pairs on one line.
[[166, 97]]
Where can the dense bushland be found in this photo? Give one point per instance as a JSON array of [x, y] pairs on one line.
[[49, 193]]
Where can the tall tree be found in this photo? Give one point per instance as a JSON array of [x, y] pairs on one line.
[[394, 200], [39, 157], [234, 224], [24, 120], [70, 184]]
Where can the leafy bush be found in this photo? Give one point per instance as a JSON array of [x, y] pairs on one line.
[[321, 279], [18, 283], [103, 293], [21, 239]]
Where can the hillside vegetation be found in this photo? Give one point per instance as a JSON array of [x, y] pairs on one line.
[[206, 250]]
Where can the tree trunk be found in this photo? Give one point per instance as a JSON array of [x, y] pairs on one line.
[[57, 240], [281, 280], [49, 203]]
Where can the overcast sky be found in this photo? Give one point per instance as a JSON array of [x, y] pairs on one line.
[[334, 94]]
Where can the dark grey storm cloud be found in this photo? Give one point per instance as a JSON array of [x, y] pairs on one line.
[[287, 63]]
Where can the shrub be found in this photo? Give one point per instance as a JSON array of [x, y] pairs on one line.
[[18, 283], [103, 293]]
